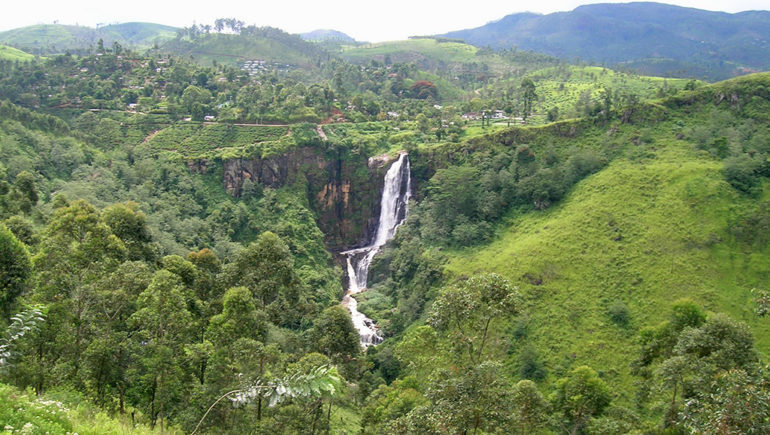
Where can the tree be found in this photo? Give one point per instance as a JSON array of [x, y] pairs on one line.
[[528, 97], [239, 318], [266, 268], [15, 269], [25, 186], [423, 90], [76, 252], [736, 403], [466, 311], [195, 100], [334, 334], [471, 400], [162, 323], [580, 396], [130, 226], [530, 408]]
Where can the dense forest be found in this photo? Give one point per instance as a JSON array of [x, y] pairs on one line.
[[585, 250]]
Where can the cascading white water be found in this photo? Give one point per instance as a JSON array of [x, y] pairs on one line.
[[396, 192]]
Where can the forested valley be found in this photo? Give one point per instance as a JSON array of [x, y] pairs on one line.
[[581, 250]]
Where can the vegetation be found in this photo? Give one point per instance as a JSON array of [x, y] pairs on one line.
[[167, 227]]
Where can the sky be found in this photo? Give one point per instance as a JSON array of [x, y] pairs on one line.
[[364, 20]]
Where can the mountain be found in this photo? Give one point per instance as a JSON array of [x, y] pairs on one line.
[[322, 35], [653, 38], [58, 38]]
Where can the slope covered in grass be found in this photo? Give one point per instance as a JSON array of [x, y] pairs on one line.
[[266, 43], [61, 413], [59, 38], [14, 54], [656, 225]]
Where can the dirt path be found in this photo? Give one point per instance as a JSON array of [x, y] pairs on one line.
[[150, 136]]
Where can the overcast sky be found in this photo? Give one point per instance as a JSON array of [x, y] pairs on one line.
[[364, 20]]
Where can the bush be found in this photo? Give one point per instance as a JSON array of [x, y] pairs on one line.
[[743, 173], [619, 313], [531, 366]]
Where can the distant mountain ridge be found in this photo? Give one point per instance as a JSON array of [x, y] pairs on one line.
[[653, 38]]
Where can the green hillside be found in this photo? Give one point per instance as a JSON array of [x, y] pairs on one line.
[[137, 34], [267, 44], [676, 207], [451, 57], [13, 54], [641, 233], [59, 38], [49, 38], [570, 89]]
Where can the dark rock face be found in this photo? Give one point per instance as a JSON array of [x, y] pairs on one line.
[[343, 189]]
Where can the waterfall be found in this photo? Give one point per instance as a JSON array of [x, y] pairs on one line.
[[394, 204]]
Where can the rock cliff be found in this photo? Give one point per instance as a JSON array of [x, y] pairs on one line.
[[343, 188]]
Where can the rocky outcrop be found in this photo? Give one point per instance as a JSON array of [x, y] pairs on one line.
[[343, 188]]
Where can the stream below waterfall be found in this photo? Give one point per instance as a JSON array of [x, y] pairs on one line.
[[396, 191]]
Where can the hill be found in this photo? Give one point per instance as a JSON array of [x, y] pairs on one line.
[[263, 43], [58, 38], [661, 218], [449, 57], [13, 54], [653, 38], [322, 35]]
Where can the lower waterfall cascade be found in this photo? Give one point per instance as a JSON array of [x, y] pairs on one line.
[[394, 205]]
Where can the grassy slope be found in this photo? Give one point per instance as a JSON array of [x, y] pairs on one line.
[[46, 37], [13, 54], [235, 49], [447, 57], [414, 48], [669, 214], [62, 413], [562, 87]]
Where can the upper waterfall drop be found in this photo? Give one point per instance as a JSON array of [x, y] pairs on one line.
[[394, 206]]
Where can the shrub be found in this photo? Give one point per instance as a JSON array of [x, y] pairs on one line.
[[619, 313]]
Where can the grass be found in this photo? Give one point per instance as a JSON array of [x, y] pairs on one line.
[[64, 413], [562, 87], [13, 54], [645, 233], [414, 48], [196, 140]]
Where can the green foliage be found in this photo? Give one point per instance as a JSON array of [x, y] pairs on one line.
[[130, 226], [15, 269], [466, 312], [266, 268], [736, 402], [530, 408], [477, 398], [55, 414], [21, 324], [320, 381], [334, 335], [743, 173], [580, 396], [619, 313]]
